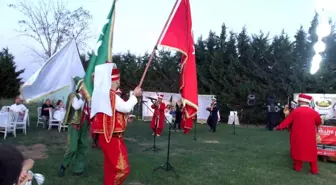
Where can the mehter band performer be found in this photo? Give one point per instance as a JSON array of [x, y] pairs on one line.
[[77, 117], [186, 123], [213, 117], [158, 118], [109, 121], [303, 146]]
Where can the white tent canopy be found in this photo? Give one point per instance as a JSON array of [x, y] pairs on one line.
[[55, 78], [204, 101]]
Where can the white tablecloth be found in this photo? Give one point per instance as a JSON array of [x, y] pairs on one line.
[[3, 118], [59, 115]]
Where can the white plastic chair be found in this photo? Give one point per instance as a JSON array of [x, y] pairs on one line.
[[5, 109], [39, 118], [28, 119], [8, 123], [22, 124], [53, 122], [62, 126], [59, 115]]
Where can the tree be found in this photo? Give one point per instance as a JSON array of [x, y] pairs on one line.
[[51, 24], [231, 66], [9, 77]]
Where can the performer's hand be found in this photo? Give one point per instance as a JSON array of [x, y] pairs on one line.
[[23, 176], [137, 91], [25, 180]]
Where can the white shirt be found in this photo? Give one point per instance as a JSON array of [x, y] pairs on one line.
[[77, 103], [125, 107], [18, 108]]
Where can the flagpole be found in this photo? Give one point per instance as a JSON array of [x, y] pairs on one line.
[[157, 43]]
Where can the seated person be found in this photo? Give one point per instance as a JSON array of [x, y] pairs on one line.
[[60, 111], [19, 108], [13, 167], [45, 112]]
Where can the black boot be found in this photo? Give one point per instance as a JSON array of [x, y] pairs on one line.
[[61, 171]]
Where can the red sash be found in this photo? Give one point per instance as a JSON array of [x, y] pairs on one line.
[[84, 116]]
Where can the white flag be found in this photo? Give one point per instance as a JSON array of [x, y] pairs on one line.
[[57, 73]]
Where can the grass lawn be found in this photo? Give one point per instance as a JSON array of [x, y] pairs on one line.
[[252, 156]]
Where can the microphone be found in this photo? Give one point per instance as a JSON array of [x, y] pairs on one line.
[[152, 99]]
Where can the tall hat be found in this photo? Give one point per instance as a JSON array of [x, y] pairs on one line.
[[118, 91], [78, 82], [213, 98], [305, 98], [160, 96], [115, 75]]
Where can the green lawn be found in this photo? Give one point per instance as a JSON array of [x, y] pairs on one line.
[[252, 156]]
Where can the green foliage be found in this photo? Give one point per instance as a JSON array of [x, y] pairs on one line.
[[232, 65], [9, 76]]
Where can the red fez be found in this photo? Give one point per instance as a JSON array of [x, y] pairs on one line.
[[305, 98], [115, 75], [160, 96]]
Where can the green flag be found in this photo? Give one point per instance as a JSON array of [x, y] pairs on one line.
[[102, 52]]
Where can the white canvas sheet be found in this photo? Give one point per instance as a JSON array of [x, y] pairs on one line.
[[56, 74], [204, 101]]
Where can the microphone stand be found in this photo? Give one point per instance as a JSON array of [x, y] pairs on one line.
[[195, 123], [234, 118], [167, 166], [154, 147], [234, 123]]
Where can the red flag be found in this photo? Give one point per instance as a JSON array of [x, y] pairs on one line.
[[178, 36]]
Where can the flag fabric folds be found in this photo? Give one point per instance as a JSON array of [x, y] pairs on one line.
[[55, 77], [102, 52], [178, 36]]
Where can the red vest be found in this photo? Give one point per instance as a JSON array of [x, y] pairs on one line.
[[107, 125]]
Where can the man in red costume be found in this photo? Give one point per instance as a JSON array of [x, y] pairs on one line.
[[158, 118], [304, 121], [108, 111], [186, 123]]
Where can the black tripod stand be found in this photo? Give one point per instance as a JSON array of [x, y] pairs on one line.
[[167, 166], [234, 123], [195, 138], [154, 147], [195, 123]]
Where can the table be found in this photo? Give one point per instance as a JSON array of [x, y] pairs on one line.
[[3, 118]]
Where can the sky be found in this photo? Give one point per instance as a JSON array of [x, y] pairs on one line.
[[139, 22]]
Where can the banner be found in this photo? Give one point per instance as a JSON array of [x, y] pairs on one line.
[[326, 139], [324, 104], [326, 150], [327, 135]]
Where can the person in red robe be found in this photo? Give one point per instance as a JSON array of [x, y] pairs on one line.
[[186, 123], [158, 118], [94, 135], [304, 121], [110, 123]]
